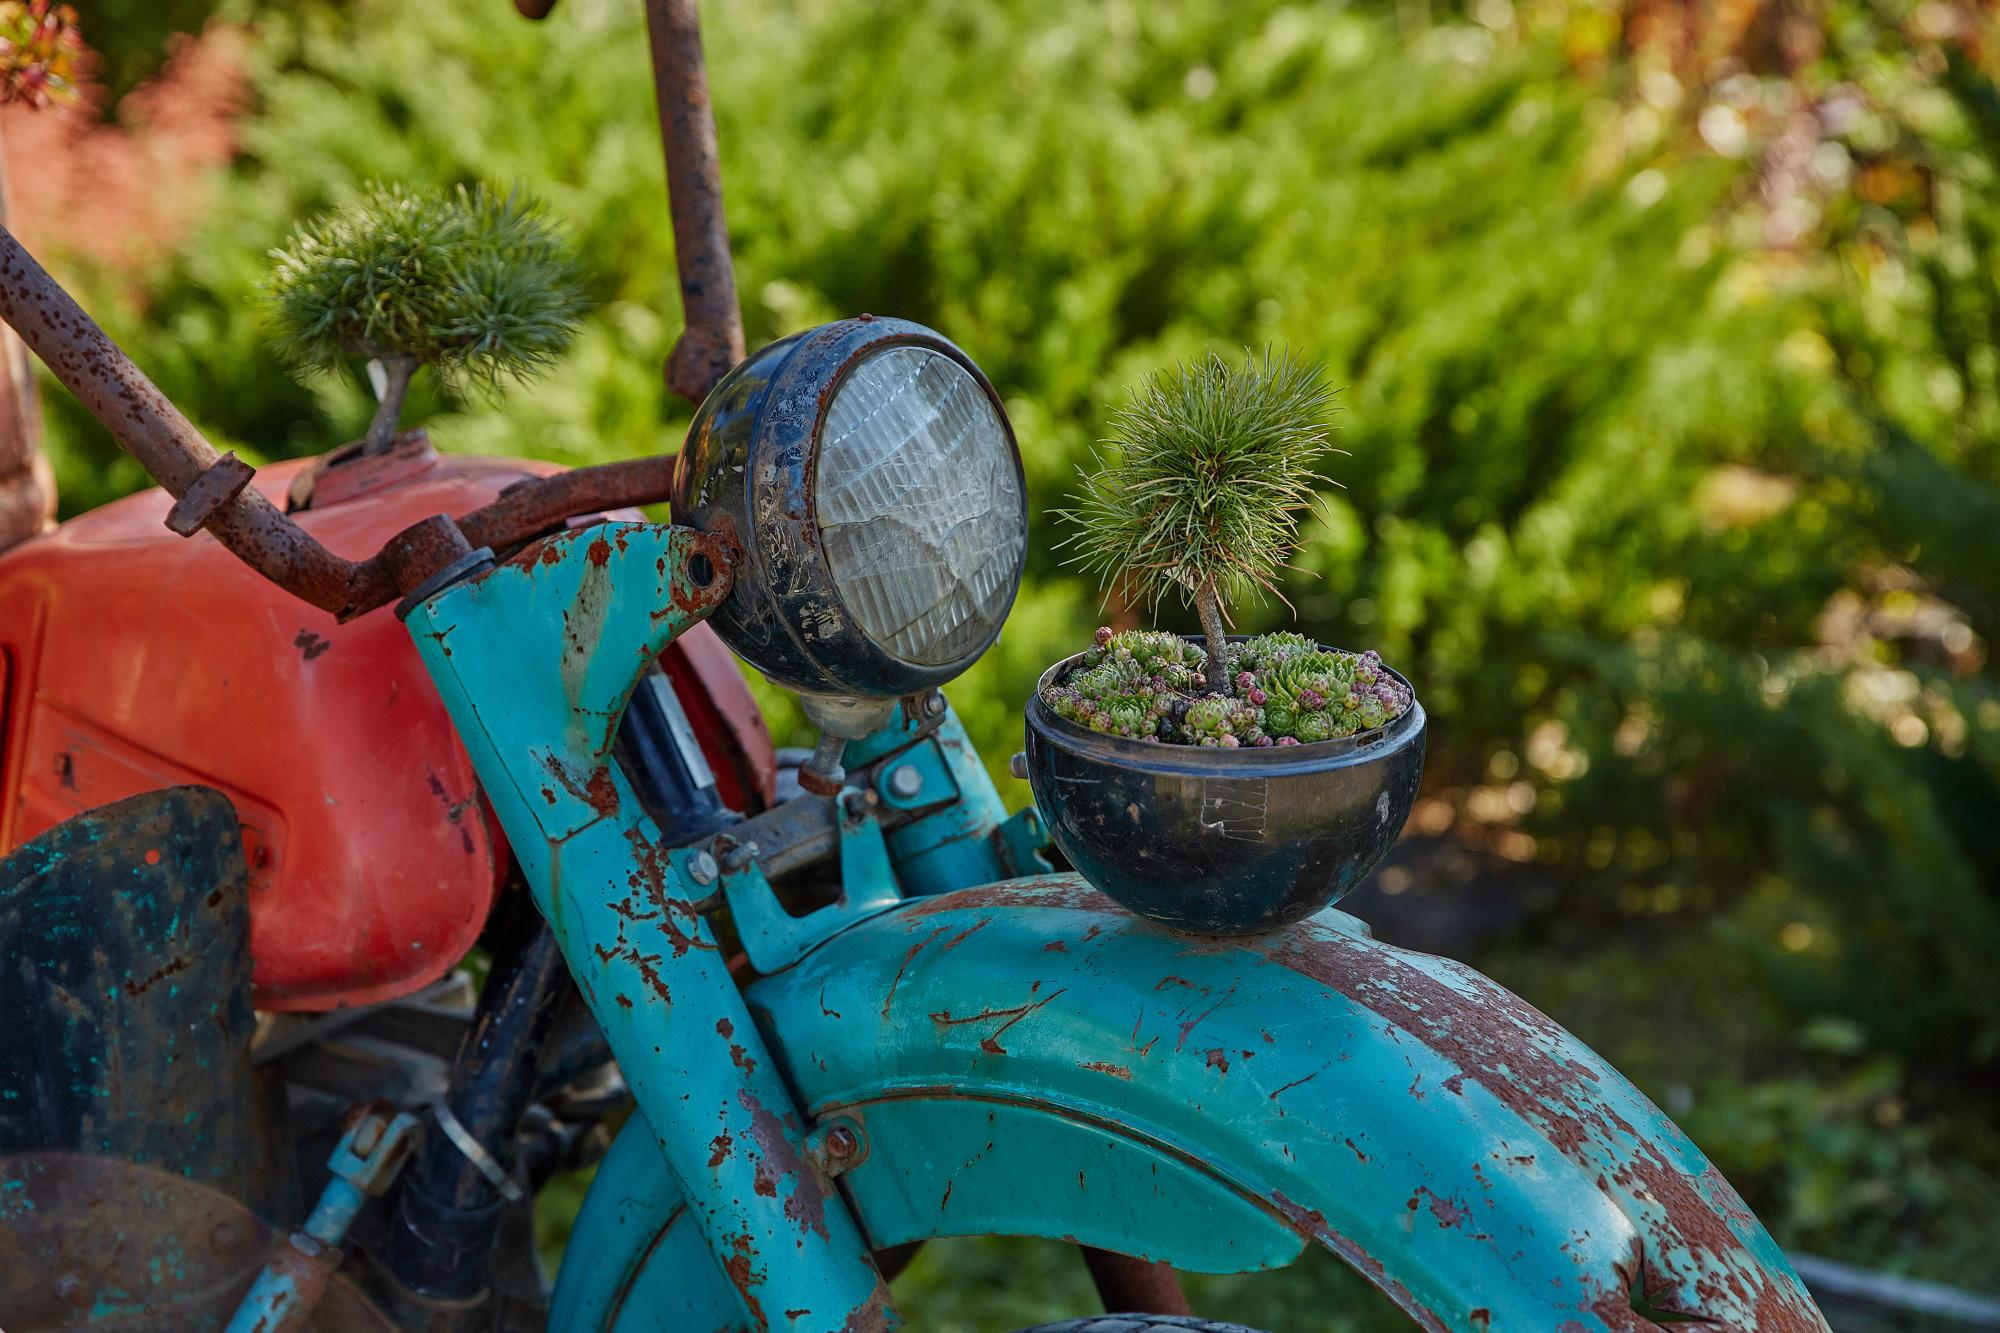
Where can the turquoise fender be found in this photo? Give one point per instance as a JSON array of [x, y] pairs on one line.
[[1026, 1058]]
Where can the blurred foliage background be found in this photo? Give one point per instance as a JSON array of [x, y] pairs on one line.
[[1670, 338]]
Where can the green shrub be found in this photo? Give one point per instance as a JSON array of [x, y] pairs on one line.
[[1685, 534]]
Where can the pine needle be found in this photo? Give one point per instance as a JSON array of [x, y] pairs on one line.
[[1203, 482]]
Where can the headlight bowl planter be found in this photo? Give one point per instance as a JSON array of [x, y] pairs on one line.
[[1222, 841]]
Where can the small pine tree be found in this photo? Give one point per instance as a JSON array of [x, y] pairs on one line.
[[474, 284], [1211, 464]]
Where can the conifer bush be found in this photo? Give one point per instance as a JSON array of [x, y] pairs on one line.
[[474, 284], [1199, 493]]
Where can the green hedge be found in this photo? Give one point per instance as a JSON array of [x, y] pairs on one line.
[[1691, 544]]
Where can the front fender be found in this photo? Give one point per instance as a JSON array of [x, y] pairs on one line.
[[1027, 1058]]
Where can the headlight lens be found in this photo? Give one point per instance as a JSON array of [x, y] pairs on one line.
[[919, 507], [866, 472]]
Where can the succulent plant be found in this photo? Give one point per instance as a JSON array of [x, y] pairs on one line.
[[1289, 691], [1208, 470]]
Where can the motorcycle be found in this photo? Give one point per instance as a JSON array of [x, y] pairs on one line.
[[801, 1021]]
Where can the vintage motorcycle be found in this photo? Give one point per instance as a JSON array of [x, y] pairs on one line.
[[829, 1013]]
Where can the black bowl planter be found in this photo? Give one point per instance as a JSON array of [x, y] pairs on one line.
[[1222, 841]]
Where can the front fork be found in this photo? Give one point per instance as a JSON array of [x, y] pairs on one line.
[[535, 659]]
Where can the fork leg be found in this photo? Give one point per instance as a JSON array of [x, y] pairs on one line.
[[1134, 1286]]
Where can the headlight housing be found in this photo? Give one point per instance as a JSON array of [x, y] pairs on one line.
[[870, 476]]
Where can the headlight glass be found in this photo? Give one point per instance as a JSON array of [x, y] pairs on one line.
[[920, 511]]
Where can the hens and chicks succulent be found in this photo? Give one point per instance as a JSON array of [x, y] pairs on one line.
[[1151, 685]]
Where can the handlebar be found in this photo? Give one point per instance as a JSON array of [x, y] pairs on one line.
[[211, 490]]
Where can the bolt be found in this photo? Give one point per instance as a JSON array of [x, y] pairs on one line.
[[934, 705], [369, 1136], [842, 1143], [905, 781], [1018, 765], [702, 869]]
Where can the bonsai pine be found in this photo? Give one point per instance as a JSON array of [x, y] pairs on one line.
[[1211, 464], [474, 284]]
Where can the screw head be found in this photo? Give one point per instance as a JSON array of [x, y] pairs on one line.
[[1018, 764], [905, 781], [702, 869]]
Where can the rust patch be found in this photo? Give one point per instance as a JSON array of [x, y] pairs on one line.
[[1104, 1067], [744, 1275], [310, 645], [596, 790], [908, 958], [779, 1162], [1520, 1057], [141, 987], [991, 1042]]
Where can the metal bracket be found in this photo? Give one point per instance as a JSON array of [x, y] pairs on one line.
[[468, 1146], [773, 938], [916, 778], [364, 1162], [219, 483], [1024, 843]]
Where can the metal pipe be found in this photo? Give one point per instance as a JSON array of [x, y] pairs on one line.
[[152, 430], [712, 340], [148, 426], [1134, 1286], [448, 1210]]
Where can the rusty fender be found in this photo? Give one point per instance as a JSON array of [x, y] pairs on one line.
[[1025, 1057]]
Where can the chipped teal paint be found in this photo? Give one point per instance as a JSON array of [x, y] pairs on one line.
[[535, 660], [1023, 1057], [772, 937], [954, 845], [363, 1162]]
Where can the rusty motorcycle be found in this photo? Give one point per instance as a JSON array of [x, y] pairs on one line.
[[266, 795]]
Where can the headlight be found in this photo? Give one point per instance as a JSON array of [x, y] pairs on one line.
[[870, 476]]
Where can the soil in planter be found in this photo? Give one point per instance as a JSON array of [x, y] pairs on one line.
[[1287, 690]]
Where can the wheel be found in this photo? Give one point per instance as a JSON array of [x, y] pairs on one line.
[[1139, 1323]]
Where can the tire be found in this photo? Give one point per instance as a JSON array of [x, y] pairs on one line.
[[1139, 1323]]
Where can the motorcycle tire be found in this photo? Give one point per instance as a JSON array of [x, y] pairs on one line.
[[1139, 1323]]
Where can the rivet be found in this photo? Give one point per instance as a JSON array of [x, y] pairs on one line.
[[842, 1143], [905, 781]]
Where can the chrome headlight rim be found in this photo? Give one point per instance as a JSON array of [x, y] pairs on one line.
[[749, 471]]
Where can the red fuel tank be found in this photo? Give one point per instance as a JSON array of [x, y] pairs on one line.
[[131, 659]]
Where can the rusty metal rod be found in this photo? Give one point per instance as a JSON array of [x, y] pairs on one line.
[[1134, 1286], [152, 430], [536, 506], [712, 340], [148, 426]]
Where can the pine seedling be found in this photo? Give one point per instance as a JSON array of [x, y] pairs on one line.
[[477, 285], [1200, 490]]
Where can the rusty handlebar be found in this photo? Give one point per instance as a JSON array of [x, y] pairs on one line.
[[211, 490]]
